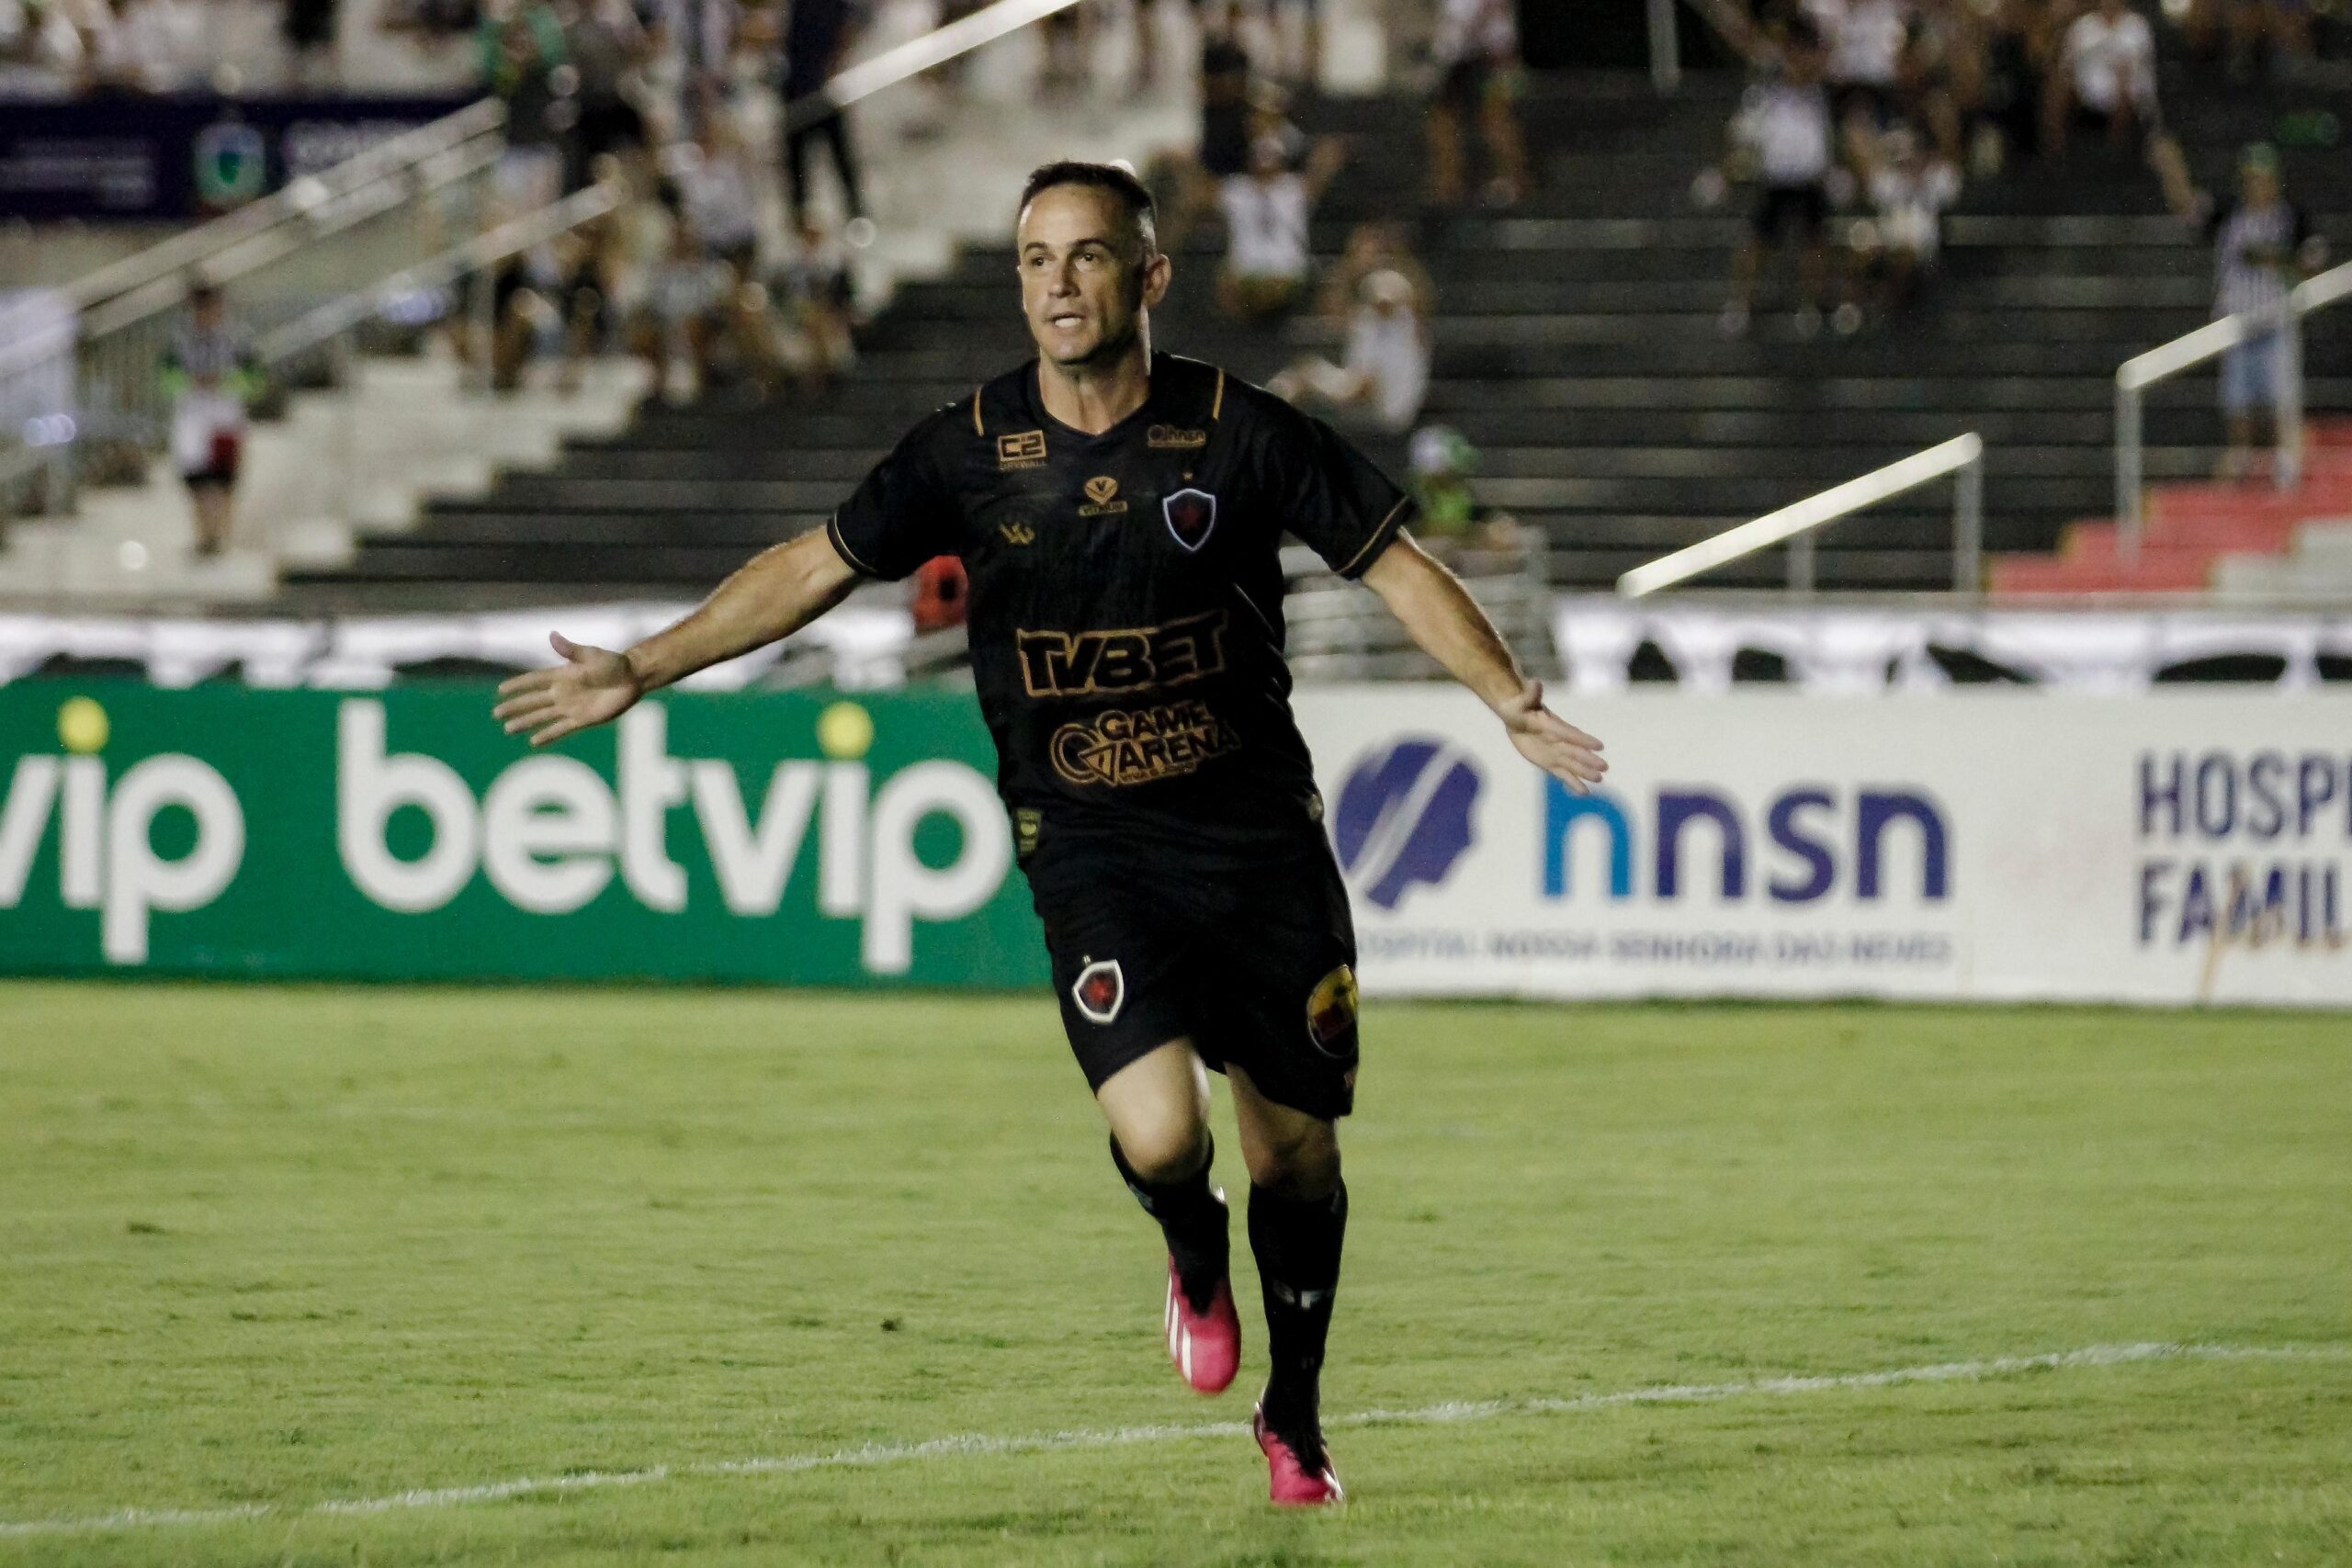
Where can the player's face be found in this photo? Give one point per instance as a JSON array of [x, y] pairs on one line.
[[1085, 281]]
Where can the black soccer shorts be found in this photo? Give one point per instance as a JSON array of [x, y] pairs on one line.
[[1254, 964]]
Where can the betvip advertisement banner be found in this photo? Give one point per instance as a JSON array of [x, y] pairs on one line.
[[2170, 849], [399, 835], [2167, 848]]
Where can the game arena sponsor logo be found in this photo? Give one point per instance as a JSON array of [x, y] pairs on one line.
[[1404, 816], [1132, 746], [2245, 850], [1122, 660]]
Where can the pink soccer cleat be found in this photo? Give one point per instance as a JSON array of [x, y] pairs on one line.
[[1205, 1346], [1294, 1483]]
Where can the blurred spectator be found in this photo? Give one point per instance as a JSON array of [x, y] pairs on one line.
[[1910, 193], [608, 47], [1229, 109], [815, 38], [2104, 80], [1303, 64], [1783, 135], [818, 303], [716, 190], [2252, 37], [523, 62], [312, 61], [1940, 73], [1865, 40], [42, 55], [2015, 44], [1387, 373], [1476, 52], [1373, 247], [2262, 245], [686, 298], [1266, 214], [209, 375], [1452, 520]]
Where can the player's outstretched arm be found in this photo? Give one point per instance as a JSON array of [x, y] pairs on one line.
[[1442, 617], [775, 594]]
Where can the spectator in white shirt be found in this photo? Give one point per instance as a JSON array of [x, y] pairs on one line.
[[2104, 80], [1910, 193], [1476, 52], [1266, 216], [1783, 132], [1387, 370]]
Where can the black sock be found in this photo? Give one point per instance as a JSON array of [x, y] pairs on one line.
[[1192, 1216], [1297, 1245]]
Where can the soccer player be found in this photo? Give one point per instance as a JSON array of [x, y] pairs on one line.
[[1120, 514]]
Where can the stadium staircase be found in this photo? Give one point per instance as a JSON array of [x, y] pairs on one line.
[[1579, 349]]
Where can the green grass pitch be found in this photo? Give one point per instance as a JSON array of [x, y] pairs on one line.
[[270, 1248]]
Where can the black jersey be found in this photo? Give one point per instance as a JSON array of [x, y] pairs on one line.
[[1125, 613]]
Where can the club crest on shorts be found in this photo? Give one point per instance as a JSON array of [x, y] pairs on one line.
[[1191, 513], [1331, 1008], [1101, 991]]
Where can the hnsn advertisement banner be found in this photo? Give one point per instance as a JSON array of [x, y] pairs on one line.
[[2168, 849], [401, 835]]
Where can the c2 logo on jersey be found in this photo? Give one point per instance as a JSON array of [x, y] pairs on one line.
[[1404, 816], [1126, 659], [1025, 450], [1192, 515]]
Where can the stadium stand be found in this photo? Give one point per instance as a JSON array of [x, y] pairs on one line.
[[1576, 348]]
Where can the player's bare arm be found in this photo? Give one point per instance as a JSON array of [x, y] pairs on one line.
[[1450, 626], [775, 594]]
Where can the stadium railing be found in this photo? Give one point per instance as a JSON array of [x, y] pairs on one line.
[[2137, 374], [80, 388], [1338, 632], [1962, 458]]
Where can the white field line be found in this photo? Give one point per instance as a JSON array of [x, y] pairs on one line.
[[982, 1443]]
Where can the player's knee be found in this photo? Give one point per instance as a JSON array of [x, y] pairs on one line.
[[1164, 1148], [1299, 1162]]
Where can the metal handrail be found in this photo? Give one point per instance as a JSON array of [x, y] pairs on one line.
[[1962, 455], [2137, 374], [391, 156], [512, 238]]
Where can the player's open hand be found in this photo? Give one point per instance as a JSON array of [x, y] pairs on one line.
[[1551, 742], [592, 685]]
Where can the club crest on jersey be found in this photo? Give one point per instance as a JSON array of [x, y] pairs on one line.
[[1331, 1008], [1101, 497], [1191, 515], [1101, 991]]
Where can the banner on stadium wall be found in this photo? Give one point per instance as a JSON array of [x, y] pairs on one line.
[[184, 155], [2165, 849], [399, 835], [2170, 849]]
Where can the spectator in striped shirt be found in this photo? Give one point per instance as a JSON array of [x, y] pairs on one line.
[[2262, 245], [210, 374]]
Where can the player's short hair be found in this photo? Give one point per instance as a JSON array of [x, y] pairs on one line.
[[1116, 178]]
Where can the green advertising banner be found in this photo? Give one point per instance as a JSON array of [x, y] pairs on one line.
[[765, 837]]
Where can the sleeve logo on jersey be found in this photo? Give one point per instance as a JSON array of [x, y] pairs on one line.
[[1025, 450], [1331, 1008], [1191, 513], [1126, 659], [1134, 746], [1101, 497], [1101, 991]]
